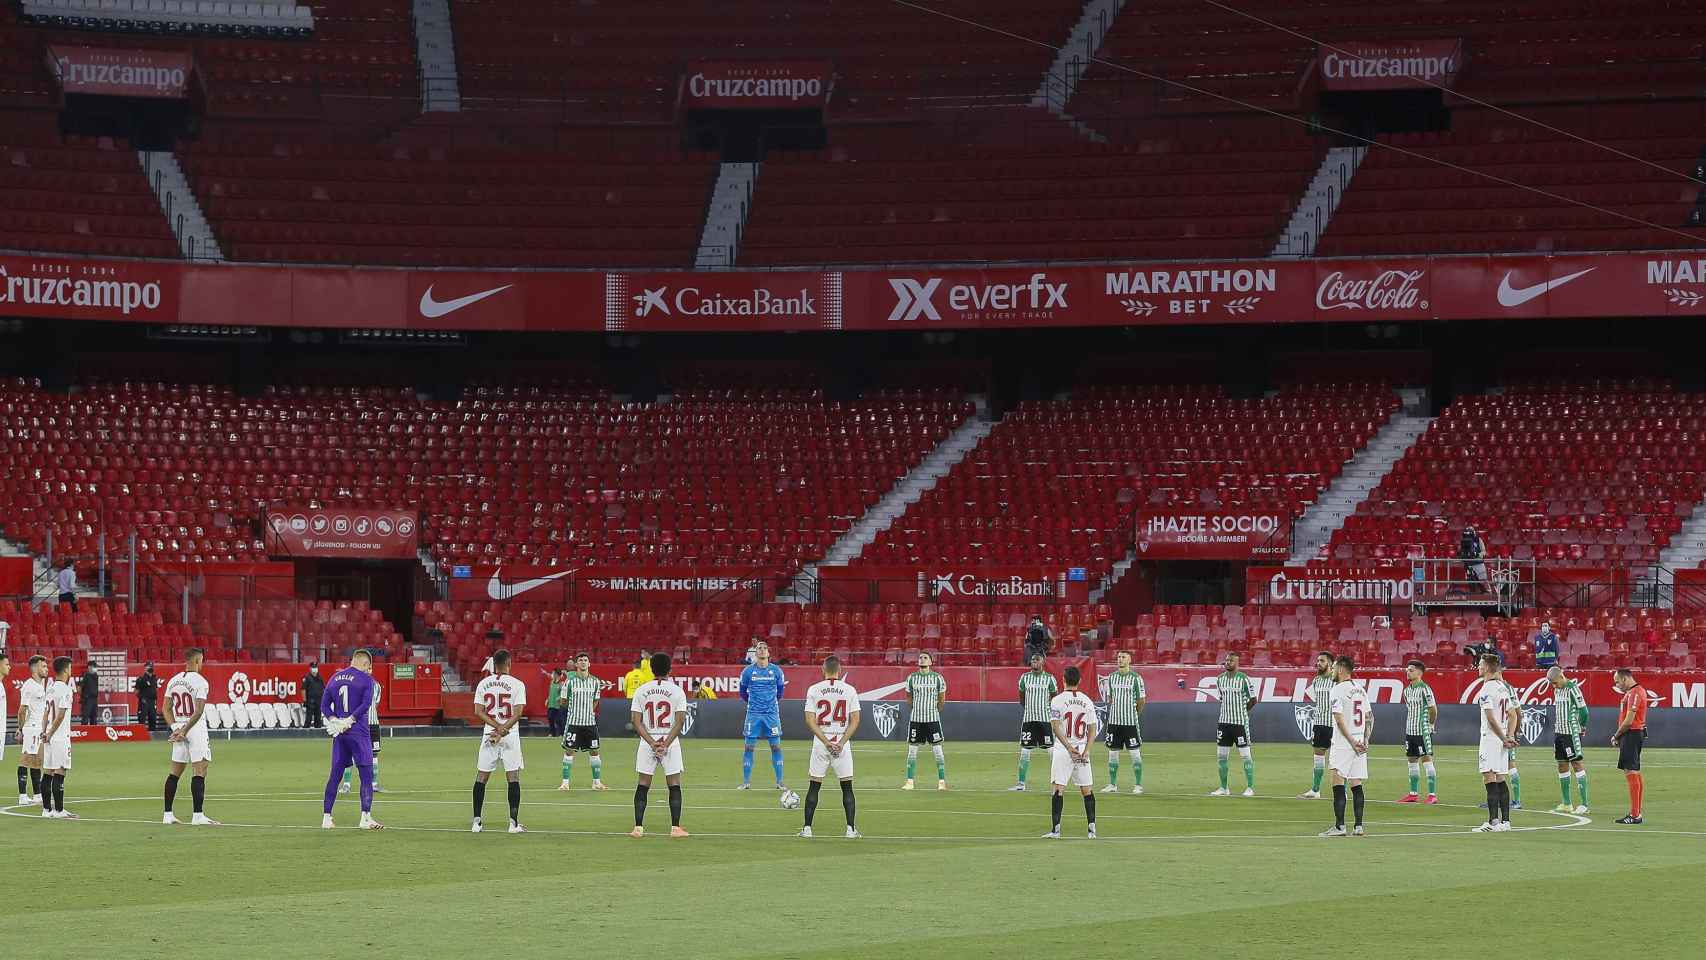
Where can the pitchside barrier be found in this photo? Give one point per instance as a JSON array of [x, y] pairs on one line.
[[1459, 724]]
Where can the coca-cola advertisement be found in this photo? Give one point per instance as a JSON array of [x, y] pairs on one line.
[[757, 85], [100, 71], [1025, 585], [1330, 585], [1389, 65], [1212, 535], [1362, 290], [301, 531]]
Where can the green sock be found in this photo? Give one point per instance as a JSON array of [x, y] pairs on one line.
[[348, 772], [1582, 786], [911, 764], [1415, 778], [1432, 778], [1516, 788], [1315, 778], [1223, 773], [1113, 768], [376, 771], [1564, 787], [1250, 774], [1024, 766], [568, 766], [1137, 770], [597, 769], [942, 768]]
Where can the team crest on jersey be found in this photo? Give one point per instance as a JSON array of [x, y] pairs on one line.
[[1533, 723], [1102, 714], [887, 715], [692, 715], [1304, 714]]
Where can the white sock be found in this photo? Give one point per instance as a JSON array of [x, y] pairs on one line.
[[1320, 762], [1428, 768], [911, 752], [936, 750], [1244, 753], [1223, 752], [1415, 770], [1136, 756]]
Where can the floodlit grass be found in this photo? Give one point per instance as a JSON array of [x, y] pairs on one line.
[[956, 874]]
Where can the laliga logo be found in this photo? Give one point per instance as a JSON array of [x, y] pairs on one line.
[[1304, 715], [238, 688], [887, 716], [1392, 290]]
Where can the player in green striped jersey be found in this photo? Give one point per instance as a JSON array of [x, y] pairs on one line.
[[1569, 724], [1421, 712], [580, 731], [1237, 696], [1124, 694], [925, 692], [1321, 695], [1516, 729], [1036, 689]]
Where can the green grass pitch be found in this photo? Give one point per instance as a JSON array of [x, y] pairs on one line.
[[956, 874]]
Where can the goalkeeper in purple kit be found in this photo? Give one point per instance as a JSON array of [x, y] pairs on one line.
[[348, 697]]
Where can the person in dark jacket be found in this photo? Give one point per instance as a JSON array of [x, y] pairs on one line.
[[313, 686], [89, 690], [1545, 648], [148, 697], [1037, 638]]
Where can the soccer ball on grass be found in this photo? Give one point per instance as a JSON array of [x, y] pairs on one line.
[[790, 800]]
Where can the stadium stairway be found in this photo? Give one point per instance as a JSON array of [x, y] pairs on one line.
[[435, 49], [1351, 487], [935, 465], [196, 240], [1315, 207], [1072, 58], [725, 215], [1686, 550]]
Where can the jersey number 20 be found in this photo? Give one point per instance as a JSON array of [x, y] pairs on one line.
[[183, 705]]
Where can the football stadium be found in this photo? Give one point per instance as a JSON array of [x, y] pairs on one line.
[[818, 478]]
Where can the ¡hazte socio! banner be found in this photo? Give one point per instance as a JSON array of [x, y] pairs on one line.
[[160, 74], [296, 531], [1211, 535], [1531, 287]]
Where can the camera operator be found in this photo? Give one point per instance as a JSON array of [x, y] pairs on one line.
[[1038, 638], [1471, 549]]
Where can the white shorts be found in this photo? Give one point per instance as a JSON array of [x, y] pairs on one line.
[[507, 751], [821, 762], [1495, 757], [1063, 771], [646, 760], [31, 740], [56, 755], [1347, 763], [193, 748]]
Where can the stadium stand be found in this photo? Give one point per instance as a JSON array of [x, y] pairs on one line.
[[71, 194], [1110, 451], [1560, 473], [54, 630]]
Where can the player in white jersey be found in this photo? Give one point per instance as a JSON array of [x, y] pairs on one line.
[[5, 709], [658, 712], [832, 716], [1347, 755], [32, 710], [1072, 717], [56, 740], [1499, 718], [500, 701], [186, 704]]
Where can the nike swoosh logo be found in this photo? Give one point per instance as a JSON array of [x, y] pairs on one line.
[[1510, 296], [433, 309], [498, 590]]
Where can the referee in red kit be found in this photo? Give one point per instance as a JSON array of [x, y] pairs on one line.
[[1630, 737]]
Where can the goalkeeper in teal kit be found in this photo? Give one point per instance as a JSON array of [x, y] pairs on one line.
[[761, 686]]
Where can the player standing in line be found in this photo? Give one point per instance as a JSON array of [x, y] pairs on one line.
[[32, 712], [1353, 726], [580, 724], [1498, 736], [372, 724], [500, 701], [1321, 695], [1421, 713], [5, 708], [344, 706], [1569, 722], [56, 737], [761, 685], [1630, 737], [1072, 718], [186, 704], [1036, 690], [1237, 697], [832, 716], [659, 712], [926, 690], [1124, 694]]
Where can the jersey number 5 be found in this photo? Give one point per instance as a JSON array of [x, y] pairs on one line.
[[827, 712]]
